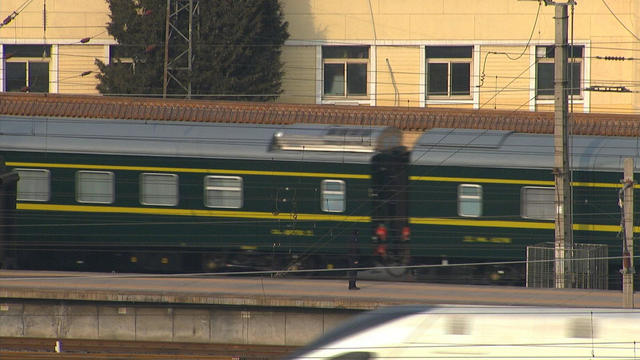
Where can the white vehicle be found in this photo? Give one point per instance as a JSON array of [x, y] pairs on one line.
[[420, 332]]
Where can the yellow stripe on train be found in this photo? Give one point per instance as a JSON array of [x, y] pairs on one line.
[[187, 170], [513, 181], [310, 217], [513, 224], [191, 212]]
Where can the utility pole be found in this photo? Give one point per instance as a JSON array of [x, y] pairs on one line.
[[626, 203], [562, 201], [178, 44]]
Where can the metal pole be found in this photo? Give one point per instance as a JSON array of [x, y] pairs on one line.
[[166, 52], [190, 50], [563, 213], [627, 249]]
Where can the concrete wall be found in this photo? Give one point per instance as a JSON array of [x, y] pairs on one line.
[[104, 321]]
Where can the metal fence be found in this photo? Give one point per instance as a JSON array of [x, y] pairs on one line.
[[586, 266]]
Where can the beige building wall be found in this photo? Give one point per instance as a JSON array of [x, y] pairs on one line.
[[398, 76], [62, 25], [77, 68], [395, 30], [392, 26], [497, 85], [69, 20], [299, 80]]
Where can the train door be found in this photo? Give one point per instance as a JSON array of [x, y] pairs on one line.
[[8, 187], [389, 215]]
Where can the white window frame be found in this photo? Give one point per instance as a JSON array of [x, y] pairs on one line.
[[143, 189], [28, 60], [111, 177], [238, 188], [346, 61], [524, 203], [462, 197], [438, 60], [122, 60], [47, 187], [324, 192], [540, 58]]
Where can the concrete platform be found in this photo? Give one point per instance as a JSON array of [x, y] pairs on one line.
[[230, 310], [282, 292]]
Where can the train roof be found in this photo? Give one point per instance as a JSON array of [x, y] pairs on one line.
[[308, 142], [508, 149]]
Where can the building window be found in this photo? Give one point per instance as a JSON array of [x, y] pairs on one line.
[[34, 185], [159, 189], [537, 203], [119, 57], [545, 71], [223, 191], [469, 200], [95, 187], [333, 196], [449, 71], [345, 71], [27, 68]]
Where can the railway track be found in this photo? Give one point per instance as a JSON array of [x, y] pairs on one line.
[[39, 348]]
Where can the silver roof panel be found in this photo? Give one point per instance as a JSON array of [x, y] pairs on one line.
[[172, 138], [488, 148]]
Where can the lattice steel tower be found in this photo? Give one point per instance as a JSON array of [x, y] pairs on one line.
[[178, 49]]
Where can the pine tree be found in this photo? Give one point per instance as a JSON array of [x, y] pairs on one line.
[[138, 26], [236, 46]]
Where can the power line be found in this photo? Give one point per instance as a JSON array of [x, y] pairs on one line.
[[620, 21], [15, 13]]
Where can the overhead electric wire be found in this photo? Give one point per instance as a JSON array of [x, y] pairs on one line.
[[620, 21]]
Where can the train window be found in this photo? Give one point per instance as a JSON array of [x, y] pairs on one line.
[[95, 187], [223, 191], [469, 200], [34, 185], [159, 189], [333, 197], [537, 202]]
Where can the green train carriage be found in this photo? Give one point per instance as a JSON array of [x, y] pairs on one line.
[[105, 194], [484, 196]]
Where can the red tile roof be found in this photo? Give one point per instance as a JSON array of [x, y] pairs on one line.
[[408, 119]]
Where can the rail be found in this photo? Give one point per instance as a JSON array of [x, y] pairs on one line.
[[40, 348]]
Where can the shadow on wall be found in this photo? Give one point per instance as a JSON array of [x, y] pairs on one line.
[[302, 76]]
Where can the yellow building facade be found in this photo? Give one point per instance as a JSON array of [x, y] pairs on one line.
[[51, 45], [474, 54]]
